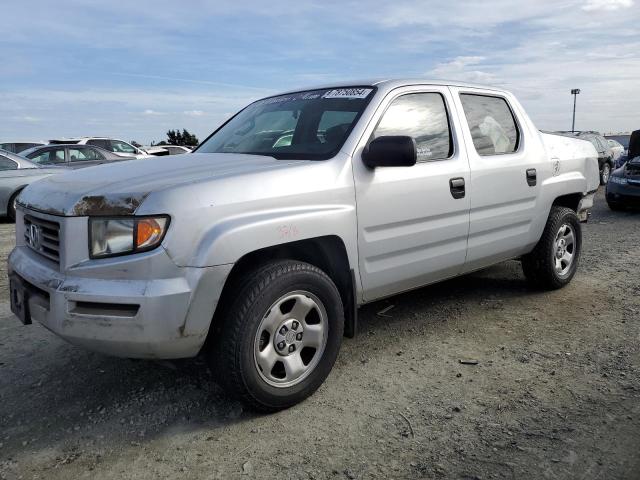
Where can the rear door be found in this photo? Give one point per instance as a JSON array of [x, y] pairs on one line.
[[507, 169], [412, 229]]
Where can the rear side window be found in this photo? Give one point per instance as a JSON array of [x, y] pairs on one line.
[[121, 147], [422, 116], [83, 155], [6, 164], [493, 128]]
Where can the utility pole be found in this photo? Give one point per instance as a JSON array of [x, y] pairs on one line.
[[575, 93]]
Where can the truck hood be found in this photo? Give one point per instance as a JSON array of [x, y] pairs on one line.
[[119, 188]]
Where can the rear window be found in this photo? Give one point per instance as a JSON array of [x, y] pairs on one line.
[[493, 128]]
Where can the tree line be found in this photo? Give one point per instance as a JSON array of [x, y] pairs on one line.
[[176, 137]]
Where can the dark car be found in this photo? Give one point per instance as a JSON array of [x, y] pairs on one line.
[[605, 155], [623, 189], [73, 156], [17, 147], [622, 139]]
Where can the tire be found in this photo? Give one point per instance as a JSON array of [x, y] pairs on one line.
[[616, 207], [258, 362], [562, 236], [605, 173]]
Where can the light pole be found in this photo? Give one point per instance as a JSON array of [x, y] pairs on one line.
[[575, 93]]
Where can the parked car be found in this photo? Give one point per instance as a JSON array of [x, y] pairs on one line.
[[163, 150], [623, 189], [605, 155], [616, 148], [119, 147], [622, 139], [17, 172], [263, 242], [175, 149], [73, 156], [17, 147]]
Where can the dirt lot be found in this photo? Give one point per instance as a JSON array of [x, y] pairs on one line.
[[556, 392]]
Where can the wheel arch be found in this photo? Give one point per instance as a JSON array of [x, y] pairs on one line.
[[328, 253], [569, 200], [11, 197]]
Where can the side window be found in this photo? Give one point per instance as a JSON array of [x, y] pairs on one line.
[[78, 155], [493, 128], [121, 147], [93, 154], [49, 157], [6, 164], [422, 116]]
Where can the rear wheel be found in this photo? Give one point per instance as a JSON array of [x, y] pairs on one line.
[[554, 261], [280, 335]]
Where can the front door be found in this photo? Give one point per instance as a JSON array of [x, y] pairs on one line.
[[413, 221]]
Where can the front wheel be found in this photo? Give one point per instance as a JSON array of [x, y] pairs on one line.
[[280, 335], [554, 261], [616, 207]]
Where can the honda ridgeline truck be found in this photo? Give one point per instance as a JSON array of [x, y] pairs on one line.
[[258, 248]]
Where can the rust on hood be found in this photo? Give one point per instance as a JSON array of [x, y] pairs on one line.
[[107, 205], [64, 203]]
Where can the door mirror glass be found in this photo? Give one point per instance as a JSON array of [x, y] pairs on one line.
[[390, 151]]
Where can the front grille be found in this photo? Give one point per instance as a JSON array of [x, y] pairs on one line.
[[43, 236]]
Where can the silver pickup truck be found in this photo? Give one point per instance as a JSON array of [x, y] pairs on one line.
[[258, 248]]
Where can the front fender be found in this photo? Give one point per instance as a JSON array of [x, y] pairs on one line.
[[231, 239]]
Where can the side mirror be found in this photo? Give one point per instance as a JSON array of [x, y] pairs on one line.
[[390, 151]]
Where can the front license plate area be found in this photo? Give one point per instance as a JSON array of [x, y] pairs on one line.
[[19, 300]]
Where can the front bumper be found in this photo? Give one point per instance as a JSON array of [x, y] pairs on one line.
[[164, 315], [628, 194], [586, 203]]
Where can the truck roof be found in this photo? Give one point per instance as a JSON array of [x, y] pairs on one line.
[[391, 83]]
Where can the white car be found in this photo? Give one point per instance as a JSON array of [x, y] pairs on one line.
[[617, 149], [162, 150], [119, 147]]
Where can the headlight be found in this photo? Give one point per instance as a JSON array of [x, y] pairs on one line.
[[109, 237], [618, 180]]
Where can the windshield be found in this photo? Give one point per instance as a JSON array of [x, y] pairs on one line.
[[311, 125]]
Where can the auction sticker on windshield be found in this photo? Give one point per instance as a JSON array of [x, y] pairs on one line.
[[348, 93]]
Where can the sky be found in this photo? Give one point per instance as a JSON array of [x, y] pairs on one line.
[[134, 69]]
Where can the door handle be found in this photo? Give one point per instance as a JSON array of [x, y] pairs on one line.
[[456, 185], [532, 177]]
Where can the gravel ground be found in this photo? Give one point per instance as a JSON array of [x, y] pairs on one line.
[[555, 393]]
